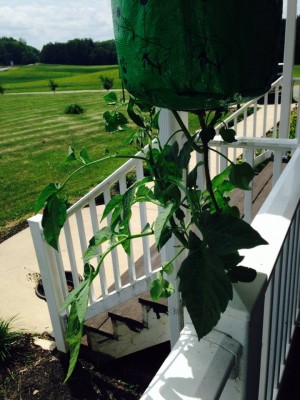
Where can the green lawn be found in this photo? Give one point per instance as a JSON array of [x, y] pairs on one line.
[[35, 133], [34, 138], [35, 78]]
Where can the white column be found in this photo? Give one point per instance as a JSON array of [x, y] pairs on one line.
[[51, 282], [287, 83], [167, 126]]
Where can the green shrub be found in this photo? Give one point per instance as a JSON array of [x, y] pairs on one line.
[[8, 338], [2, 89], [74, 109], [107, 82], [52, 85]]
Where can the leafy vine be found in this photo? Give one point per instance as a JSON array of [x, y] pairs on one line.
[[208, 229]]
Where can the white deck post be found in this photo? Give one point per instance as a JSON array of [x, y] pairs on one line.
[[289, 50], [167, 126], [51, 280]]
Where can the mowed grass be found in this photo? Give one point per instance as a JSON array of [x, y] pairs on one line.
[[35, 78], [34, 138]]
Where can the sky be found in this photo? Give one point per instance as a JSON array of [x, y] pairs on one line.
[[39, 22]]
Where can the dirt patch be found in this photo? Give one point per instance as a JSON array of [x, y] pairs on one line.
[[34, 373]]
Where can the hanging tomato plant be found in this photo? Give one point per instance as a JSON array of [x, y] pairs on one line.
[[197, 54]]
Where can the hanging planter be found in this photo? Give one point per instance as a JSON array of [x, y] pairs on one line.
[[197, 54]]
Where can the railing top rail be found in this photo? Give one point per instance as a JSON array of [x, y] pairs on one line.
[[123, 169], [261, 143], [248, 104], [273, 222]]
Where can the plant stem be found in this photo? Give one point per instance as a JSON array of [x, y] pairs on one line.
[[113, 246], [221, 154], [98, 161], [185, 131], [207, 176]]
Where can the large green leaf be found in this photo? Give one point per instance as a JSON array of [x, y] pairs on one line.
[[185, 154], [241, 175], [136, 118], [226, 234], [110, 97], [110, 206], [114, 121], [228, 135], [75, 326], [84, 156], [161, 287], [47, 192], [220, 178], [161, 222], [205, 287], [54, 217], [193, 175]]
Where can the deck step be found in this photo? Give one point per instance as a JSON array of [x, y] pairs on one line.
[[135, 325]]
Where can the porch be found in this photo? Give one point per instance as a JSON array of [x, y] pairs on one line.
[[244, 356]]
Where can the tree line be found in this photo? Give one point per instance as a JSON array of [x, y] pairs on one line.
[[80, 52], [86, 51], [73, 52]]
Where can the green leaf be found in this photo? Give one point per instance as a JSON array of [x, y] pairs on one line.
[[54, 217], [166, 235], [242, 274], [192, 176], [127, 200], [228, 135], [206, 289], [45, 194], [113, 121], [185, 154], [155, 121], [241, 175], [136, 118], [171, 152], [116, 200], [110, 97], [73, 294], [161, 288], [226, 234], [75, 327], [144, 194], [84, 156], [161, 222], [101, 236], [220, 178], [168, 268], [71, 154], [231, 260]]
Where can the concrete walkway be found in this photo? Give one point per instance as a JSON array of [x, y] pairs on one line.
[[18, 269]]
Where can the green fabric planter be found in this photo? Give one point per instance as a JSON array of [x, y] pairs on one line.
[[197, 54]]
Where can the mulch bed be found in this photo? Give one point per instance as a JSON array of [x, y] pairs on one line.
[[34, 373]]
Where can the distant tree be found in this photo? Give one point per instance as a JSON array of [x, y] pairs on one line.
[[17, 51], [107, 82], [52, 85], [2, 89]]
